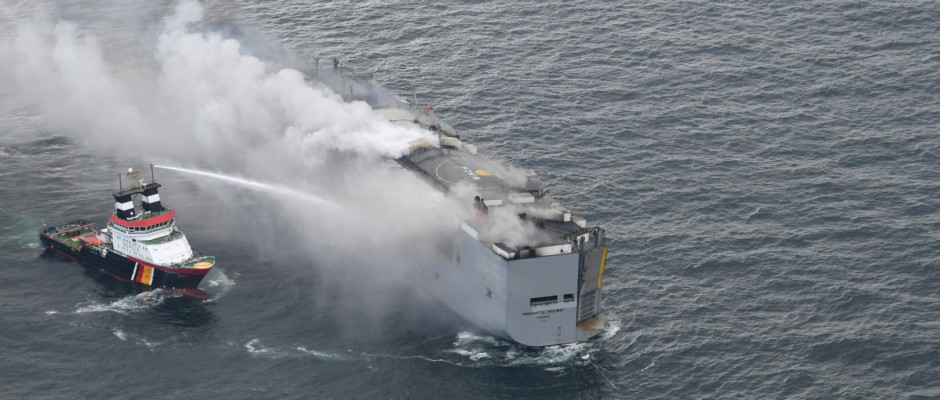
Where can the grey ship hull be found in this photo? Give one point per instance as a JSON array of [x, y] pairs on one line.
[[497, 295], [540, 294]]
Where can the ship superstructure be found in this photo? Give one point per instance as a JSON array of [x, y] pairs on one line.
[[140, 243], [544, 289]]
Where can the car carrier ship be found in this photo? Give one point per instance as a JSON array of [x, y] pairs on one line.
[[140, 243], [540, 293]]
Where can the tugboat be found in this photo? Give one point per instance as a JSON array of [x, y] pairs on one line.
[[139, 244]]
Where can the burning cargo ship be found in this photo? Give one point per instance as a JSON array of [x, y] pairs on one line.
[[538, 293]]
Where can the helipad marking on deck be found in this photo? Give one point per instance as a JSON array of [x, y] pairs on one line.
[[437, 171], [465, 170], [483, 172], [470, 173]]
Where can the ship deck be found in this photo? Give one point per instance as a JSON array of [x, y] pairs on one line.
[[499, 187], [74, 235], [172, 236], [448, 168]]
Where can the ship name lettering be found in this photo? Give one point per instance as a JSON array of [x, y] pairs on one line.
[[542, 312]]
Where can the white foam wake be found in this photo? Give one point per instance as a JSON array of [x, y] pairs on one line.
[[217, 284], [488, 350], [255, 348], [126, 305]]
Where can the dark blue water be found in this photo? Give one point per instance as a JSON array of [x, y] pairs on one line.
[[768, 174]]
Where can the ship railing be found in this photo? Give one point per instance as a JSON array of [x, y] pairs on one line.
[[137, 189], [596, 238], [191, 263], [149, 214], [73, 232], [78, 223], [163, 239]]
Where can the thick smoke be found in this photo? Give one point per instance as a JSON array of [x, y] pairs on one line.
[[209, 99], [200, 100]]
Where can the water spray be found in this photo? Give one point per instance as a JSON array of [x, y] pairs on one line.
[[251, 184]]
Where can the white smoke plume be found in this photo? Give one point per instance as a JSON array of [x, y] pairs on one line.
[[209, 99], [199, 100]]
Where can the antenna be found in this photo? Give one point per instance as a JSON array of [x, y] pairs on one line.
[[120, 183], [152, 179]]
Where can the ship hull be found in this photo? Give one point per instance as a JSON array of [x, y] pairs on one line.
[[536, 280], [497, 295], [131, 270]]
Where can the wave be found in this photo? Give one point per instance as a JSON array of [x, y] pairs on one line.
[[470, 350], [129, 304], [255, 348], [486, 350], [217, 284]]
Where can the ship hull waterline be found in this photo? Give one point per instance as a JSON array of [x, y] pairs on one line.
[[129, 270], [495, 294]]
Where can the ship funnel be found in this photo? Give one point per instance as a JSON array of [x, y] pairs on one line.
[[124, 206], [151, 200]]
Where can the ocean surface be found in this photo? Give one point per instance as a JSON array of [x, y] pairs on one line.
[[768, 173]]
